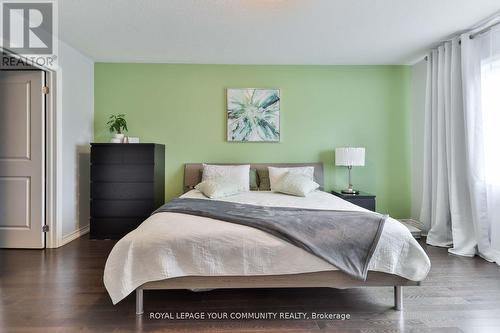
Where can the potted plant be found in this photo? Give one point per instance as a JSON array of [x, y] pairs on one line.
[[117, 124]]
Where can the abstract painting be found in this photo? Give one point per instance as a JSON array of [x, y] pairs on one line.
[[253, 115]]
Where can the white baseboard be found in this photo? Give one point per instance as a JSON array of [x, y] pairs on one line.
[[75, 234]]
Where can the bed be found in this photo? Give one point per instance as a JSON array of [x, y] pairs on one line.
[[180, 251]]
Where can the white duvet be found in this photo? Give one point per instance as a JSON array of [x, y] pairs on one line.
[[169, 245]]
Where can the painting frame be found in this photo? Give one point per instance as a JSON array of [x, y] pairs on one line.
[[270, 131]]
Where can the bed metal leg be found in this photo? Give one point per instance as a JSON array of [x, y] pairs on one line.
[[139, 301], [398, 298]]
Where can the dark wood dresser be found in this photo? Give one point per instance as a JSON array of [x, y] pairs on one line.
[[127, 183]]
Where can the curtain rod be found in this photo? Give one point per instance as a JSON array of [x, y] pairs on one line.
[[475, 34], [482, 31]]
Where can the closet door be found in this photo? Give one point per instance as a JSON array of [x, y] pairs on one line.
[[22, 166]]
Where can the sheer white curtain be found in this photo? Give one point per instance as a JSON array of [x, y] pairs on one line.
[[481, 85], [461, 189], [446, 209]]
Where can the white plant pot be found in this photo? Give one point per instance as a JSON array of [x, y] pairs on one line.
[[118, 138]]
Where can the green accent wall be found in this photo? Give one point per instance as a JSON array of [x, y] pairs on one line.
[[322, 107]]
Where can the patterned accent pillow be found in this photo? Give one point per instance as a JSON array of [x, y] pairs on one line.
[[295, 184], [218, 188], [264, 184], [253, 180]]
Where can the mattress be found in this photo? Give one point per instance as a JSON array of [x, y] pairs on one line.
[[169, 245]]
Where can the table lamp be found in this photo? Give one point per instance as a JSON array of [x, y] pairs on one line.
[[350, 157]]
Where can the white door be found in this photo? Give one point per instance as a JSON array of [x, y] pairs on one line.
[[22, 164]]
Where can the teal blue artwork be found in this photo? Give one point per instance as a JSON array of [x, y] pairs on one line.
[[253, 115]]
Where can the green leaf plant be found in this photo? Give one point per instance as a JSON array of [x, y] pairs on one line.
[[117, 123]]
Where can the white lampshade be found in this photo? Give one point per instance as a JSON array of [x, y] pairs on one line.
[[350, 156]]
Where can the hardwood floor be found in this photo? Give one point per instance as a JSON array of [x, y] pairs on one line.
[[61, 290]]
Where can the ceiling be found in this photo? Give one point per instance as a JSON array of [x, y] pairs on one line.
[[265, 31]]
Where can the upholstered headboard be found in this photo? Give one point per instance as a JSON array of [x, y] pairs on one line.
[[192, 171]]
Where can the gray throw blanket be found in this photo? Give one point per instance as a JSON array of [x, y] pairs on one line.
[[345, 239]]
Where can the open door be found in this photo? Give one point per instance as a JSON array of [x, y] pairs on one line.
[[22, 163]]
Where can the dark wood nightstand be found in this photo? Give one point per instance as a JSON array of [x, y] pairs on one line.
[[363, 199]]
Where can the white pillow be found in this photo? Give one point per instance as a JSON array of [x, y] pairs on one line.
[[237, 174], [217, 188], [276, 173], [298, 185]]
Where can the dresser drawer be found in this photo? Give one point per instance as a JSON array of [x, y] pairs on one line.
[[109, 190], [123, 154], [121, 208], [113, 228], [114, 173]]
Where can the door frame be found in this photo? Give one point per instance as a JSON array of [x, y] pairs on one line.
[[53, 164], [53, 161]]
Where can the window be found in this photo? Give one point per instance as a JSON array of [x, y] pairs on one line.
[[490, 104]]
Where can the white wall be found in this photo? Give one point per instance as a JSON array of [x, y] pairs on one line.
[[418, 86], [75, 107]]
